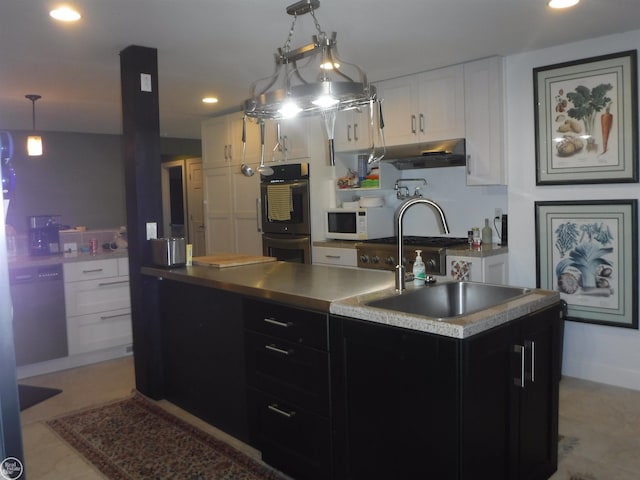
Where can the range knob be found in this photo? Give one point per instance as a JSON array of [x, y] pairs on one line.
[[364, 258], [390, 261], [431, 263], [375, 259]]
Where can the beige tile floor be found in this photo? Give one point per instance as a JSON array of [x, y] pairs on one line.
[[601, 423]]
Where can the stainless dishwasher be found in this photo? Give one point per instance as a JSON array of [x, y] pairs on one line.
[[39, 320]]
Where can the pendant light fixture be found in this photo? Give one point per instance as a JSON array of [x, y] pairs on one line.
[[309, 80], [34, 142]]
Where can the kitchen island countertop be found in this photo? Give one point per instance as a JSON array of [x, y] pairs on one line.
[[345, 292], [306, 286]]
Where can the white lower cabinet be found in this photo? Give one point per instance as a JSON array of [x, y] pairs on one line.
[[339, 257], [489, 269], [98, 305]]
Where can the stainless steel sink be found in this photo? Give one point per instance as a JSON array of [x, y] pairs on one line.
[[446, 300]]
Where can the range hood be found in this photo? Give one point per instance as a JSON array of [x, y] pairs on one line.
[[444, 153]]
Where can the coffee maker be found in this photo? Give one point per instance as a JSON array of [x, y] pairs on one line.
[[44, 238]]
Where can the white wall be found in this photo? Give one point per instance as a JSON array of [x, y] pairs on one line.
[[603, 354]]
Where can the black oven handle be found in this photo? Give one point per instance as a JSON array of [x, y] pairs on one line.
[[286, 240]]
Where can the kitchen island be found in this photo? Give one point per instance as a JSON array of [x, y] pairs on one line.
[[290, 359]]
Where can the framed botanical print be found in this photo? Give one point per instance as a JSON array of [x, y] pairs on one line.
[[588, 251], [586, 117]]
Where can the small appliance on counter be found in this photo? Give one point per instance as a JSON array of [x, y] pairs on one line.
[[44, 238], [168, 252]]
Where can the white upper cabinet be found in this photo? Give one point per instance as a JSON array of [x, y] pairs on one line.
[[222, 141], [292, 143], [353, 130], [423, 107], [484, 122]]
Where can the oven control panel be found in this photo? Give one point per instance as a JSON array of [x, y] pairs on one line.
[[384, 258]]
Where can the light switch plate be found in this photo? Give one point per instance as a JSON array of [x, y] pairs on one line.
[[145, 82], [152, 230]]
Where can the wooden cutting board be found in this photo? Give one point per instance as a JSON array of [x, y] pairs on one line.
[[222, 260]]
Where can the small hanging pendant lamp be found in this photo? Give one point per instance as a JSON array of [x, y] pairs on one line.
[[34, 142]]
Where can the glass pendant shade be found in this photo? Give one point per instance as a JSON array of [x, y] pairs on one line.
[[34, 145], [34, 142]]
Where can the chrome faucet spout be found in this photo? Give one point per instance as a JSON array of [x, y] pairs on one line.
[[400, 268]]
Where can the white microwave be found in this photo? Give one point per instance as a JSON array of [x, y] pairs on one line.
[[358, 223]]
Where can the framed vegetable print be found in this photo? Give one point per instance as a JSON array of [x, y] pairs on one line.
[[586, 116], [587, 251]]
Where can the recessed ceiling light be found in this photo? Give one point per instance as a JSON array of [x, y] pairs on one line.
[[65, 14], [209, 100], [562, 3]]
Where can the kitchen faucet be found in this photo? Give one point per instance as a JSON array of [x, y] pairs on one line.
[[400, 268]]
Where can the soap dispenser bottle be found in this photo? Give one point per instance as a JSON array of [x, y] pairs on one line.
[[419, 271]]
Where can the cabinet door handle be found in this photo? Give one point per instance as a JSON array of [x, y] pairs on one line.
[[531, 346], [109, 317], [225, 152], [273, 321], [348, 133], [229, 150], [422, 123], [285, 144], [95, 270], [468, 164], [519, 382], [108, 284], [279, 350], [279, 411], [355, 132], [413, 124]]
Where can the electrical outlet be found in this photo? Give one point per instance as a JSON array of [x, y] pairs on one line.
[[497, 213]]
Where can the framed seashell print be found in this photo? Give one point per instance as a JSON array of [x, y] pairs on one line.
[[588, 251], [586, 117]]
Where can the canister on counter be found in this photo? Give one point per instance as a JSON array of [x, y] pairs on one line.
[[93, 246]]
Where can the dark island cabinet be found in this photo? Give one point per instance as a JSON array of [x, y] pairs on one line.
[[510, 378], [408, 404], [396, 402], [288, 392], [203, 354]]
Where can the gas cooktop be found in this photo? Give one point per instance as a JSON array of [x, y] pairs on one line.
[[421, 241]]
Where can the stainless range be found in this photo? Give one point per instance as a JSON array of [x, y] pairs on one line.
[[380, 253]]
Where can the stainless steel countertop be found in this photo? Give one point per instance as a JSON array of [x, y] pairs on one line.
[[307, 286]]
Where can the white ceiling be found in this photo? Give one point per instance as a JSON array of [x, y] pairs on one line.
[[218, 47]]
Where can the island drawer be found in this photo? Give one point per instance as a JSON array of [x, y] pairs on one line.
[[296, 374], [291, 439], [293, 324]]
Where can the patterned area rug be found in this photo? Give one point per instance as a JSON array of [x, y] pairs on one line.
[[135, 439]]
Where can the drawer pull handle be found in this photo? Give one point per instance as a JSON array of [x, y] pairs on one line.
[[109, 317], [279, 411], [107, 284], [279, 350], [273, 321], [333, 256], [95, 270]]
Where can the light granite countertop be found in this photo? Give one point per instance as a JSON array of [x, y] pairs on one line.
[[462, 326]]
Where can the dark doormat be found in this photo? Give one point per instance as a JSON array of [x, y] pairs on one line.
[[30, 395]]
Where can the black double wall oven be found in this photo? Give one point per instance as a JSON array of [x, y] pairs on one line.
[[286, 223]]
